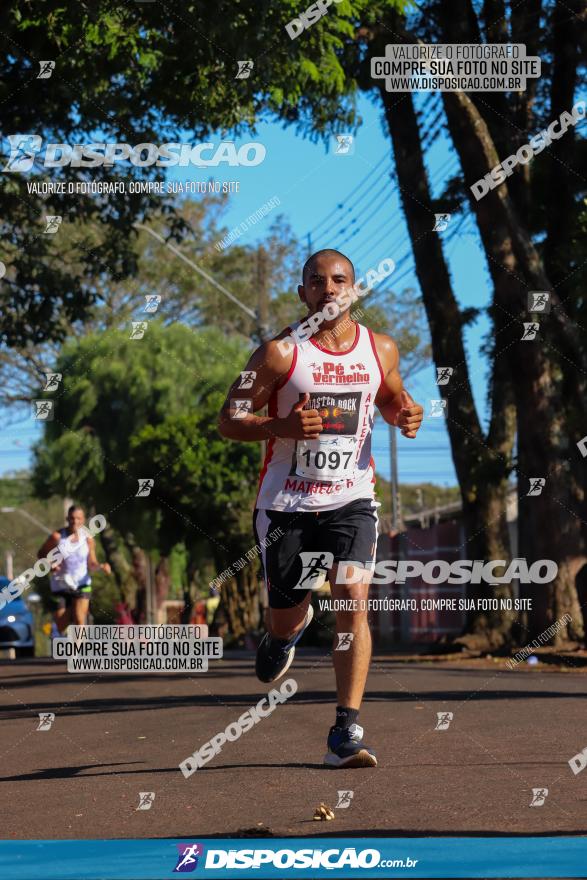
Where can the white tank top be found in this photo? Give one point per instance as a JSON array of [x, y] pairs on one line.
[[323, 474], [75, 563]]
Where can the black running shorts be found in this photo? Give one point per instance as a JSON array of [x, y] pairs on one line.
[[66, 598], [298, 548]]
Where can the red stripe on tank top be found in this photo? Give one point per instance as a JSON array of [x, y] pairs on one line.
[[272, 411], [376, 356]]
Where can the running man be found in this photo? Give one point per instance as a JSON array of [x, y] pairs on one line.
[[71, 583], [317, 482]]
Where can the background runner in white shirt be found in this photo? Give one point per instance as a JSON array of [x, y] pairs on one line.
[[70, 580]]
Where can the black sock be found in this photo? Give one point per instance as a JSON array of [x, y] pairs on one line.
[[345, 717]]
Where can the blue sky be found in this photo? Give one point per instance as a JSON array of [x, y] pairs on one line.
[[311, 181]]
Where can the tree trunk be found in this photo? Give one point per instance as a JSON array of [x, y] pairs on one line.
[[560, 216], [515, 267], [139, 564], [122, 571], [239, 608], [482, 471], [162, 580]]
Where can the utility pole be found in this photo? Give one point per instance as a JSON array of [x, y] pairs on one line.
[[262, 314], [262, 294]]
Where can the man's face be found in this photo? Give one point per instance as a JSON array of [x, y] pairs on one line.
[[75, 519], [327, 278]]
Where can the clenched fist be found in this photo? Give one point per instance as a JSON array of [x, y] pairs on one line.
[[300, 424], [410, 416]]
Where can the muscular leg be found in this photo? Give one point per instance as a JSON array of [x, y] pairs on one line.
[[284, 623], [62, 618], [351, 666], [79, 611]]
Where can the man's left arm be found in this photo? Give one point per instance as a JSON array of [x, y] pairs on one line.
[[395, 404]]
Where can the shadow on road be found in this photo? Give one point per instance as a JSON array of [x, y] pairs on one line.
[[352, 835], [71, 772], [313, 697]]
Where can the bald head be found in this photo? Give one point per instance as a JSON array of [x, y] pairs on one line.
[[325, 252]]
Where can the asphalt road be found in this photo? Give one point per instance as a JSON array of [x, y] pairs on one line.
[[115, 736]]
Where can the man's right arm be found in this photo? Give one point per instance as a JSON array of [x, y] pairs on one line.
[[270, 367]]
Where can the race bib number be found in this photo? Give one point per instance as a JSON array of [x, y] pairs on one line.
[[328, 458]]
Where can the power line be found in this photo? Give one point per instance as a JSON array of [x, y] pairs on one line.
[[350, 195]]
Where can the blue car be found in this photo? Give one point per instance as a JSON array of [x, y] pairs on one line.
[[16, 625]]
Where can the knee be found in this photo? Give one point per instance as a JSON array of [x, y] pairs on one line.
[[351, 611]]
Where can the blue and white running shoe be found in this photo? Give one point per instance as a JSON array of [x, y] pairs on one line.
[[346, 748], [274, 656]]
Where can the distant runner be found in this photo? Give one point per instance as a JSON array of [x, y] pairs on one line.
[[71, 584], [318, 478]]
